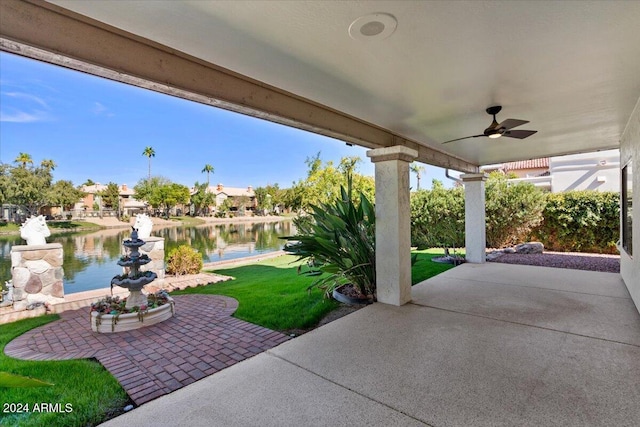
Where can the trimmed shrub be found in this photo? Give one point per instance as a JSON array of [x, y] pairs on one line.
[[184, 260], [437, 217], [581, 221], [512, 210]]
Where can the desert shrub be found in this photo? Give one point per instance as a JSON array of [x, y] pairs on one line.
[[339, 237], [512, 210], [580, 221], [184, 260], [437, 217]]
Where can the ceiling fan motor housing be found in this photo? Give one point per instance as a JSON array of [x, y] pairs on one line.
[[494, 110], [494, 130]]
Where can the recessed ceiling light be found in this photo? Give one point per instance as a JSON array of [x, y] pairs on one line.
[[375, 26]]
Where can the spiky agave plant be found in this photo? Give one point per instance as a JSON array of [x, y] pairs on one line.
[[339, 237]]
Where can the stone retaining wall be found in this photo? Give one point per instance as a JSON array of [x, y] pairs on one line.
[[37, 274]]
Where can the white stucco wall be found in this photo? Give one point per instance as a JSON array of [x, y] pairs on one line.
[[588, 171], [630, 151]]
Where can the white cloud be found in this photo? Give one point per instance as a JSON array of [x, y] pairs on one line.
[[28, 97], [22, 107], [100, 110], [18, 117]]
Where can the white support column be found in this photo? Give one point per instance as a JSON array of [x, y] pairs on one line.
[[393, 223], [475, 227]]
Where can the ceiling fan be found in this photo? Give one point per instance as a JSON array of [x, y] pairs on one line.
[[496, 130]]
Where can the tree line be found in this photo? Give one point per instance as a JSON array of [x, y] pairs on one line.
[[32, 187]]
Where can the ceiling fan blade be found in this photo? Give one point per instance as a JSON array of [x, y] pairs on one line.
[[459, 139], [520, 134], [512, 123]]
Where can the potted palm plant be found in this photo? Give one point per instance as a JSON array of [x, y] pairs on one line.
[[338, 238]]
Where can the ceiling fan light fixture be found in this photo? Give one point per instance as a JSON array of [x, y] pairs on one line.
[[496, 130]]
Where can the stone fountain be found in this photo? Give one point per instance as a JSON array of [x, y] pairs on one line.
[[139, 311], [135, 280]]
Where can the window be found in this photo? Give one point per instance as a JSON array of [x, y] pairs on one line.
[[627, 212]]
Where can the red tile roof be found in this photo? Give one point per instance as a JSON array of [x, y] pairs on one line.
[[527, 164]]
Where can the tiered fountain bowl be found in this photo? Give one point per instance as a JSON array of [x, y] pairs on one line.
[[133, 280]]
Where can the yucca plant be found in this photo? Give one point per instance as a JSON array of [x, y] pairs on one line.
[[339, 238]]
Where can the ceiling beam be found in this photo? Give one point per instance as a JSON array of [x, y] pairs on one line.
[[49, 33]]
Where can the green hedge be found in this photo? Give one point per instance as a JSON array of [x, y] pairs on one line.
[[580, 221], [575, 221], [512, 210]]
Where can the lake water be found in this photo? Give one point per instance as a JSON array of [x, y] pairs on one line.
[[90, 258]]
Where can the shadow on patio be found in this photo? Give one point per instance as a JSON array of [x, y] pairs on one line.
[[490, 344]]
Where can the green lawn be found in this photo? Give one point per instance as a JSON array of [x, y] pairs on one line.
[[188, 220], [89, 389], [271, 293], [72, 226], [54, 226], [8, 227], [424, 268]]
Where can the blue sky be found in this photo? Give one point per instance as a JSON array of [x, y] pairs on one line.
[[95, 128]]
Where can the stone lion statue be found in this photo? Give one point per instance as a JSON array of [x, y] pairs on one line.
[[34, 231], [144, 225]]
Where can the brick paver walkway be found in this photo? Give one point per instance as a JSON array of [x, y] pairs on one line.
[[201, 339]]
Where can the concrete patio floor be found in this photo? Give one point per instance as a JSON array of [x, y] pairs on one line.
[[479, 345]]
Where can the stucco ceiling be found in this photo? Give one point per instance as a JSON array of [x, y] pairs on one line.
[[571, 68]]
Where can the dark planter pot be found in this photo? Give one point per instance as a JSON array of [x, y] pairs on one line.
[[345, 299]]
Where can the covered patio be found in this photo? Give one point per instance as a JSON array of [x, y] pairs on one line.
[[398, 77], [479, 345]]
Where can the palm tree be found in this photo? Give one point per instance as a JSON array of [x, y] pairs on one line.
[[48, 164], [208, 169], [148, 151], [417, 170], [24, 158]]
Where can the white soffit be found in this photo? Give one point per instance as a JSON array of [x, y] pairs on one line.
[[571, 68]]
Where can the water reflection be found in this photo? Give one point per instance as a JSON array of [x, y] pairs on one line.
[[90, 258]]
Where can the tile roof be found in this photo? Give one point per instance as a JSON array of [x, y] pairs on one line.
[[93, 189], [232, 191], [527, 164]]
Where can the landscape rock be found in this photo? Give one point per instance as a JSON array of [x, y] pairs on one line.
[[509, 251], [34, 285], [530, 248], [54, 258], [20, 276], [494, 255], [37, 267], [20, 305], [16, 258], [33, 255], [18, 294], [57, 289], [48, 277]]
